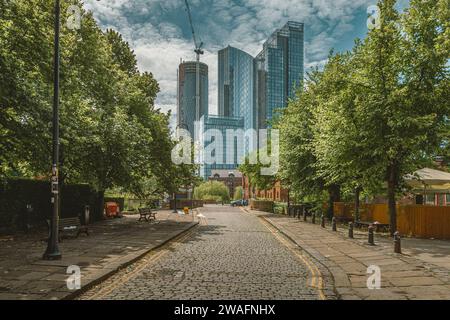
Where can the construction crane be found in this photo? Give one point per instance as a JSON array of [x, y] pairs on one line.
[[198, 51]]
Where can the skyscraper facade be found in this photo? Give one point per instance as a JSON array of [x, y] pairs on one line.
[[229, 150], [236, 90], [186, 109], [279, 70], [236, 85]]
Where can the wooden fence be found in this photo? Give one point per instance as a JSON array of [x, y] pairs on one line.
[[412, 220]]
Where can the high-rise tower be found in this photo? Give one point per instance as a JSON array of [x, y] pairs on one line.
[[186, 109], [279, 70]]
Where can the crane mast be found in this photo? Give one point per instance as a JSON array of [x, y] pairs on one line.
[[198, 51]]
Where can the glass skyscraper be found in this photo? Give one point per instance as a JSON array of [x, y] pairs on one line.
[[236, 89], [229, 153], [186, 108], [279, 70]]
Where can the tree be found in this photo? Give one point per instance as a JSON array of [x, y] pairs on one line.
[[111, 134], [297, 159], [212, 190], [238, 193], [402, 68]]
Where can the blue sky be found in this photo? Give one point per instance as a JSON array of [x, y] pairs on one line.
[[159, 31]]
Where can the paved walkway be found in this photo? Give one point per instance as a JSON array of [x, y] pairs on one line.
[[111, 245], [230, 255], [403, 276]]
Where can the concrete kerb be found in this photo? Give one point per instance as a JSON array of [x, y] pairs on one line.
[[94, 282]]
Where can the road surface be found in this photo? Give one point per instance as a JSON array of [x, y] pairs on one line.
[[231, 254]]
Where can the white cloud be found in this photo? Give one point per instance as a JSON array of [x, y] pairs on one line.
[[159, 33]]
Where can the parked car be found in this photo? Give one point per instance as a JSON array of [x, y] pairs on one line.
[[239, 203]]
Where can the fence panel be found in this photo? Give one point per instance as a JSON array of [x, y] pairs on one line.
[[412, 220]]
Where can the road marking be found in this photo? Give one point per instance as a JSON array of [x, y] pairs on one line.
[[316, 276], [141, 264]]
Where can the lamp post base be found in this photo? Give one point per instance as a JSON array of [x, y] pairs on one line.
[[56, 255]]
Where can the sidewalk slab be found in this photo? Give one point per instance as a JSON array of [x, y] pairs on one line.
[[111, 245], [403, 276]]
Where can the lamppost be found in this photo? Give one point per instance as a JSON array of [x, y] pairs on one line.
[[52, 252]]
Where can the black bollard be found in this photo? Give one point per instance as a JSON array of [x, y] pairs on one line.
[[322, 221], [371, 240], [304, 214], [333, 224], [313, 218], [350, 230], [27, 218], [397, 243]]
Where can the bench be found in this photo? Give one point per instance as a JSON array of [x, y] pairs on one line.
[[147, 214], [377, 226], [71, 226]]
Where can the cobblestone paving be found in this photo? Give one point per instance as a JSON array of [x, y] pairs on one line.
[[231, 255]]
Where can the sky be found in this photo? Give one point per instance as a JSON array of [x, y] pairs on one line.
[[159, 33]]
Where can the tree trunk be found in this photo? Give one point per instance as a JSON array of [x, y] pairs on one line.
[[357, 193], [101, 203], [334, 192], [392, 184], [288, 200]]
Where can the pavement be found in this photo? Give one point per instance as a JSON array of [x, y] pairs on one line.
[[229, 255], [111, 246], [420, 272]]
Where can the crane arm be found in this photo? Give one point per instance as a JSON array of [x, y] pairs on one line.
[[197, 45]]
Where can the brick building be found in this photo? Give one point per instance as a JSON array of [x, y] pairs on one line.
[[231, 178], [276, 193]]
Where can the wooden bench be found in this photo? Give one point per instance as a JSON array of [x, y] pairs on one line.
[[147, 214], [70, 226], [377, 226]]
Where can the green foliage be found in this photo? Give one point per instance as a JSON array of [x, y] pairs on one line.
[[111, 136], [212, 190], [375, 113], [253, 171], [238, 193]]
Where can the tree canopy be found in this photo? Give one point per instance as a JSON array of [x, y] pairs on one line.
[[110, 133], [375, 113]]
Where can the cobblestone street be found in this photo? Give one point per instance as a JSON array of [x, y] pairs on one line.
[[230, 255]]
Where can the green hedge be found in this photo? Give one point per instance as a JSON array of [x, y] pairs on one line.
[[280, 207], [16, 194]]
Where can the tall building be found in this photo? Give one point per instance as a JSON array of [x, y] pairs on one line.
[[229, 152], [186, 108], [279, 69], [236, 88], [236, 94]]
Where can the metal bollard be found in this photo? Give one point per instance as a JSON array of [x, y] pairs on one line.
[[87, 214], [313, 219], [350, 230], [333, 224], [322, 221], [371, 239], [304, 215], [397, 243], [27, 219]]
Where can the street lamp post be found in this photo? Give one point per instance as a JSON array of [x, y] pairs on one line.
[[52, 252]]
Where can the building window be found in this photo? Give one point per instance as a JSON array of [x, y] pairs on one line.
[[430, 199]]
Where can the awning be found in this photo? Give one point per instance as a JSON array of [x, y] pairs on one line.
[[429, 180]]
